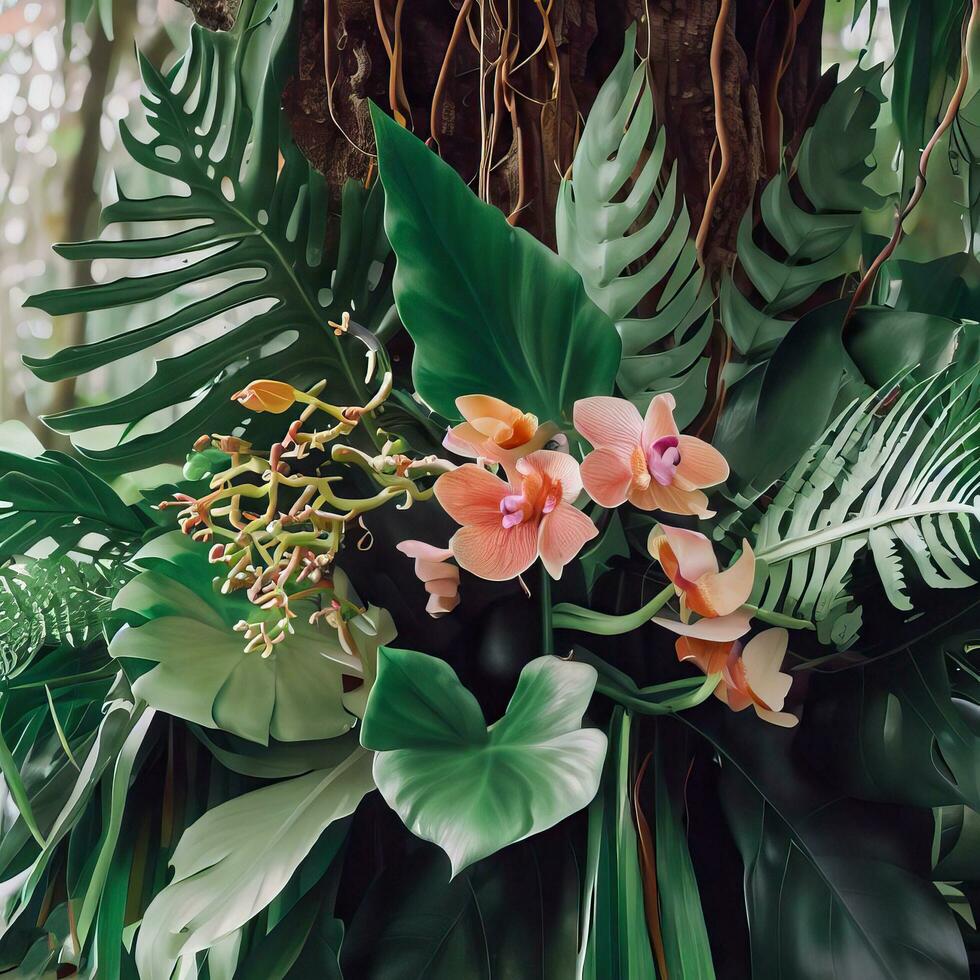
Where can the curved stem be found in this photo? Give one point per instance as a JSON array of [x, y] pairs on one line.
[[778, 619], [571, 617], [645, 707]]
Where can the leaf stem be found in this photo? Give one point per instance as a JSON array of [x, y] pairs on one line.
[[572, 617], [636, 702], [778, 619], [547, 629]]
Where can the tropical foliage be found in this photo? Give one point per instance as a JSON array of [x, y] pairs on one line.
[[436, 659]]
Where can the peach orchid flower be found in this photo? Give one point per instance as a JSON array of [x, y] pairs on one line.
[[441, 579], [507, 525], [748, 677], [645, 460], [689, 562], [496, 431]]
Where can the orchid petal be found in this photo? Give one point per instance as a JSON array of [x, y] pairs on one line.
[[720, 629], [558, 467], [721, 593], [608, 423], [689, 551], [561, 536], [659, 419], [496, 553], [607, 476], [471, 495], [763, 657], [701, 464]]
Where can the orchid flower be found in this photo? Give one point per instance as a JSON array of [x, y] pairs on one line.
[[508, 524], [645, 460], [748, 677], [496, 431], [441, 579], [689, 562]]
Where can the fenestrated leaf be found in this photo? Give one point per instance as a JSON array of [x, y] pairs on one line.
[[256, 245], [816, 244], [892, 732], [834, 887], [468, 788], [202, 673], [629, 237], [233, 862], [491, 309], [54, 496]]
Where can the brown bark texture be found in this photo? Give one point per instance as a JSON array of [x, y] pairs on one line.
[[514, 136]]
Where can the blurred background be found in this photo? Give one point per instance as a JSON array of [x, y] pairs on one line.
[[63, 94]]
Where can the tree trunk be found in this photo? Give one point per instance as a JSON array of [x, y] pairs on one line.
[[422, 61]]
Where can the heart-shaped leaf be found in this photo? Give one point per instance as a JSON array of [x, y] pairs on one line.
[[468, 788], [490, 308]]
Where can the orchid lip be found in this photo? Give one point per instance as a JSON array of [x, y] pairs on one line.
[[663, 458]]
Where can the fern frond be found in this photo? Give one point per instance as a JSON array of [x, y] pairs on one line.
[[819, 240], [256, 248], [629, 237], [899, 485], [53, 601]]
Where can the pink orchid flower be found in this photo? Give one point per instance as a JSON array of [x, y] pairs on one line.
[[689, 562], [645, 460], [441, 579], [748, 677], [507, 525], [496, 431]]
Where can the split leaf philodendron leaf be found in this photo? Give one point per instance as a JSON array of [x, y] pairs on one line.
[[629, 236], [491, 309], [233, 862], [264, 255], [201, 672], [468, 788]]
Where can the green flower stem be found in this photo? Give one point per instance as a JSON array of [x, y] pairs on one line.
[[547, 630], [571, 617], [778, 619], [640, 703]]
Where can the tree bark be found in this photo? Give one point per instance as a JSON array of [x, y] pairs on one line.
[[421, 60]]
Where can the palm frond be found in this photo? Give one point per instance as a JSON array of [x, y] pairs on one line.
[[257, 237], [819, 239], [629, 237], [897, 484]]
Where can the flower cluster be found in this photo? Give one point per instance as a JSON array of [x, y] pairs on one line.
[[518, 502]]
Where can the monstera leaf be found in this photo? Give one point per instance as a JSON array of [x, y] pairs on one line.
[[200, 671], [628, 237], [819, 243], [254, 254], [53, 497], [834, 887], [491, 309], [468, 788]]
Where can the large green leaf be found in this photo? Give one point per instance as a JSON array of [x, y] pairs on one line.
[[616, 941], [628, 235], [815, 244], [834, 887], [468, 788], [256, 241], [201, 672], [491, 309], [513, 915], [892, 732], [53, 496], [233, 862], [898, 483]]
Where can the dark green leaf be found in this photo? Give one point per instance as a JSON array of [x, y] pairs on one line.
[[491, 309]]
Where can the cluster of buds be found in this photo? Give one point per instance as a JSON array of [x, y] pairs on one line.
[[275, 519]]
